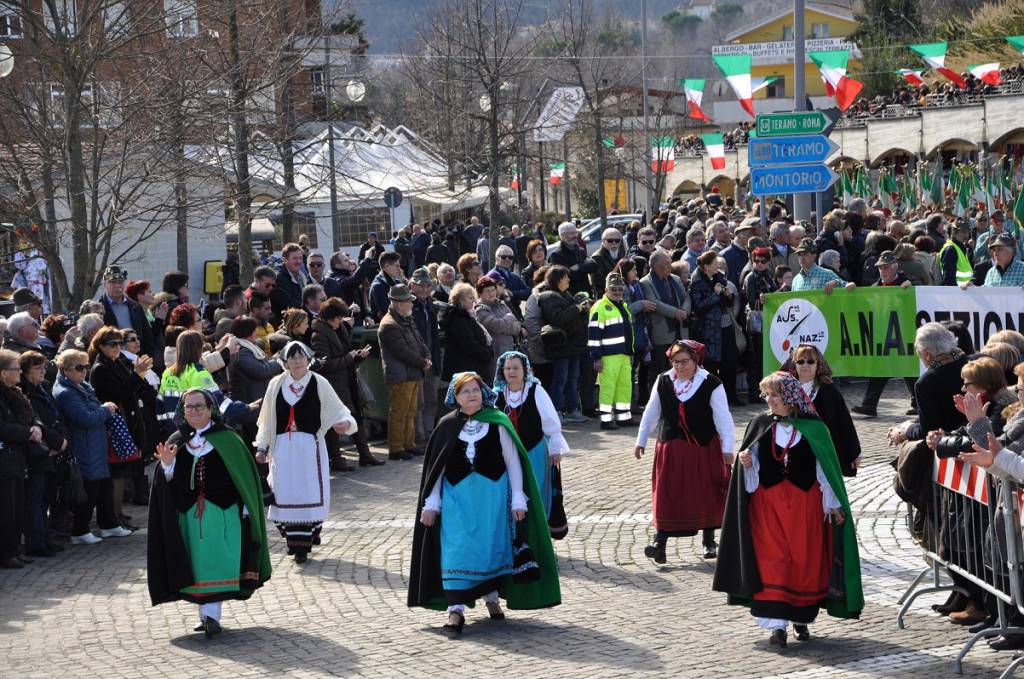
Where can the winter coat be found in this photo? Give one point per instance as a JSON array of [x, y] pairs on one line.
[[533, 323], [337, 364], [604, 262], [402, 350], [429, 330], [47, 414], [558, 310], [662, 319], [250, 376], [503, 326], [467, 346], [708, 308], [16, 420], [86, 419], [139, 323], [116, 381], [575, 256]]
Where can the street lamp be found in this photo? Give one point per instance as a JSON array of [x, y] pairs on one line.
[[6, 61], [355, 91]]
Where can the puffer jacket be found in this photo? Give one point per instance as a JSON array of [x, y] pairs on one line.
[[558, 310], [502, 324], [86, 418], [467, 345], [16, 420], [402, 350]]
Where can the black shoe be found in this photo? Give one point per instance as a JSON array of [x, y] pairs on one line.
[[1010, 643], [12, 563], [54, 546], [495, 613], [43, 553], [399, 456], [128, 526], [711, 551], [956, 602], [865, 411], [24, 559], [911, 411], [141, 501], [627, 423], [455, 631], [656, 552], [609, 426], [984, 624], [802, 633], [591, 414], [211, 627], [200, 627], [416, 452], [778, 638], [125, 518], [301, 557], [370, 461], [340, 464]]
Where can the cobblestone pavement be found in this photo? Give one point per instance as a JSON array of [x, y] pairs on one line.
[[86, 613]]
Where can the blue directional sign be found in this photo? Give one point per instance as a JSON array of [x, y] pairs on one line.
[[773, 181], [801, 149]]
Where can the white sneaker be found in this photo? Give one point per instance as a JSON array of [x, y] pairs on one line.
[[119, 532], [85, 539]]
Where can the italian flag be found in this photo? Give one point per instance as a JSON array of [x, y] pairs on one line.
[[663, 154], [516, 174], [1016, 42], [716, 150], [694, 90], [986, 72], [832, 65], [736, 69], [758, 84], [557, 172], [934, 54], [911, 76]]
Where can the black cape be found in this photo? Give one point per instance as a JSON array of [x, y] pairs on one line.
[[832, 409]]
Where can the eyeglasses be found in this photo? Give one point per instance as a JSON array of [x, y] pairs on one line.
[[647, 242], [316, 265], [758, 260], [80, 368], [504, 256], [113, 343], [15, 369], [612, 240], [804, 361], [195, 407], [131, 339]]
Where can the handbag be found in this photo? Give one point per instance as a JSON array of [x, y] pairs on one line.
[[755, 321], [120, 445], [552, 337], [524, 566], [741, 339], [73, 489], [365, 392], [557, 521]]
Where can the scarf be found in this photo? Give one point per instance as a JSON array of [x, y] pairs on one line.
[[257, 351]]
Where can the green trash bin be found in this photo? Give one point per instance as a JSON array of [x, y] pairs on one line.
[[371, 372]]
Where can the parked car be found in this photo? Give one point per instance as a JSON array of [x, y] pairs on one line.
[[592, 229]]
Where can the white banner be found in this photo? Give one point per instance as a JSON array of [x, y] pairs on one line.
[[562, 108], [783, 51], [983, 311]]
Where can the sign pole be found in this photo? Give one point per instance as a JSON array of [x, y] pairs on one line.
[[801, 203], [541, 187], [565, 179]]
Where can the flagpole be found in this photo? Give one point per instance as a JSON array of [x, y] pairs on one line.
[[801, 201], [565, 178], [648, 179], [540, 167]]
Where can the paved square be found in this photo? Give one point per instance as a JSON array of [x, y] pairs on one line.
[[86, 613]]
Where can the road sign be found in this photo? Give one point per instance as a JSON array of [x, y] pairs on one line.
[[773, 181], [790, 123], [392, 197], [808, 148]]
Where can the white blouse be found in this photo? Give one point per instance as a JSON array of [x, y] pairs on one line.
[[198, 446], [783, 432], [719, 411], [508, 453], [549, 422]]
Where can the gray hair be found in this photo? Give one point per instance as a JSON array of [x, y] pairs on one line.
[[565, 228], [935, 339], [694, 234], [796, 228], [445, 269], [829, 259], [610, 231], [504, 250], [657, 257], [779, 230], [17, 321], [646, 231], [89, 324], [857, 205]]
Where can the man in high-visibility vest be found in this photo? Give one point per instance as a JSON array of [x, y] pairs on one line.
[[611, 343], [954, 262]]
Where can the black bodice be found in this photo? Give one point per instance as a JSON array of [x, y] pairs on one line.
[[487, 462], [525, 418], [211, 478], [307, 410], [801, 470], [700, 419]]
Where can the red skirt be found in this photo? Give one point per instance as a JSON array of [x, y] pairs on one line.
[[688, 484], [793, 548]]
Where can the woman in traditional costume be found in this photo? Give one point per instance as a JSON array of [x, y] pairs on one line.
[[807, 364], [299, 408], [533, 415], [789, 545], [480, 528], [694, 449], [207, 538]]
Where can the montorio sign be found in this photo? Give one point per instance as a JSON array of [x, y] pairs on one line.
[[869, 332], [775, 52]]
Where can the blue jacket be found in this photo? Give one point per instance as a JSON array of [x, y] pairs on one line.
[[86, 419], [708, 307], [379, 288], [519, 290]]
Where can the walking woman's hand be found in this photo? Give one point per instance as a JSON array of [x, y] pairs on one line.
[[639, 452], [746, 459], [427, 517], [556, 460], [837, 516], [165, 453], [519, 514]]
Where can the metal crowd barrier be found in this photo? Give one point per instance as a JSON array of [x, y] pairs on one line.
[[972, 531]]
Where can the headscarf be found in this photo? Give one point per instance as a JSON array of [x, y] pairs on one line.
[[460, 380], [499, 373], [695, 347], [288, 347], [793, 393], [824, 374]]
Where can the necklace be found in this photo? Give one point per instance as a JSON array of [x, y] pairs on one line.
[[683, 386], [513, 411], [297, 388], [473, 427], [784, 456]]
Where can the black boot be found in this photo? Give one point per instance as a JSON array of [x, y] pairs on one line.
[[710, 546], [956, 602], [656, 550], [778, 638], [802, 632]]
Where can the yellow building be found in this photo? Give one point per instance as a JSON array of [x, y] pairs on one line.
[[769, 41]]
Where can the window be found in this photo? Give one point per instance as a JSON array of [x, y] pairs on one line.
[[777, 89], [99, 105], [181, 18], [819, 31], [115, 20], [787, 31], [357, 222], [62, 18], [317, 74], [10, 22]]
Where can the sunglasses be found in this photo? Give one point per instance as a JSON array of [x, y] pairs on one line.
[[131, 339], [804, 361], [647, 242], [612, 240], [80, 368], [113, 343], [504, 256], [316, 265], [758, 260]]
